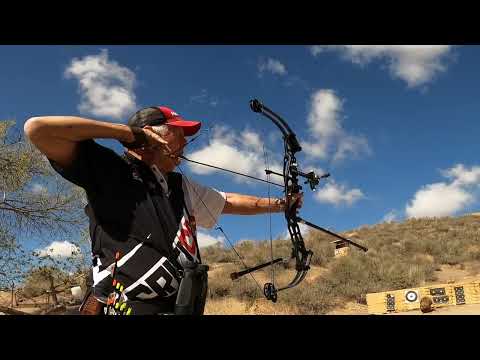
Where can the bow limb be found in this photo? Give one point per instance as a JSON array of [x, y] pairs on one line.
[[290, 175]]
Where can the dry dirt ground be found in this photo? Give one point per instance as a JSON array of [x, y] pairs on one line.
[[34, 306], [30, 308]]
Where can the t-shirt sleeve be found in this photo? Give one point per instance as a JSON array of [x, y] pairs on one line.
[[206, 203], [95, 167]]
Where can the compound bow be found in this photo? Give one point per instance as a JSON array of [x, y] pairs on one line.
[[290, 175]]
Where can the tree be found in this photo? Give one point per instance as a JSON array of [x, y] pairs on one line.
[[48, 280], [34, 201]]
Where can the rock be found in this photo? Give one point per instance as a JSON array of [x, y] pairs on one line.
[[426, 304]]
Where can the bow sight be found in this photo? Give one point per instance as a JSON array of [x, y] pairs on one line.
[[312, 179]]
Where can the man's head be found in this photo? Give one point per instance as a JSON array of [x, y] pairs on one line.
[[171, 128], [159, 115]]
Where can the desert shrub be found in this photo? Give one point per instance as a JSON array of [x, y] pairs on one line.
[[354, 276], [310, 299], [323, 253], [219, 287], [247, 289], [219, 282], [217, 254]]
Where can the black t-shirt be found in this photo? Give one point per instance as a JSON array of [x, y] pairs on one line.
[[130, 213]]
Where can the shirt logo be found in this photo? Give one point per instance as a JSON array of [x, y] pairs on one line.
[[186, 237]]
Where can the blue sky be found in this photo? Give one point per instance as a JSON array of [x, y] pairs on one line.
[[396, 126]]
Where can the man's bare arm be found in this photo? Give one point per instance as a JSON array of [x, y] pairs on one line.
[[58, 136], [251, 205]]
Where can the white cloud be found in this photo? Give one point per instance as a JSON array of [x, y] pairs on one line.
[[327, 134], [390, 216], [241, 152], [106, 88], [446, 199], [438, 199], [304, 230], [315, 150], [205, 239], [252, 139], [200, 98], [350, 144], [39, 188], [317, 49], [298, 82], [414, 64], [325, 116], [271, 65], [463, 176], [205, 98], [59, 249], [338, 194]]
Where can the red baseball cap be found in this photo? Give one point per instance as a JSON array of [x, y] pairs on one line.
[[159, 115]]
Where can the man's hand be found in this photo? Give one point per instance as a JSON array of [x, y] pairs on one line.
[[298, 198], [155, 141]]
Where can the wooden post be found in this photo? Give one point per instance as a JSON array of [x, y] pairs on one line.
[[53, 292], [11, 302]]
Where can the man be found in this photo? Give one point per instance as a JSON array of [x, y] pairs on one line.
[[137, 206]]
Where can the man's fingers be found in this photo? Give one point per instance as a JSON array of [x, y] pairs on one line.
[[154, 136], [298, 198], [155, 141]]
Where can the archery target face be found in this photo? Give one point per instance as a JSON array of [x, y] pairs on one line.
[[411, 296]]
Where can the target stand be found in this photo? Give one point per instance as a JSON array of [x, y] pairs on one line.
[[396, 301]]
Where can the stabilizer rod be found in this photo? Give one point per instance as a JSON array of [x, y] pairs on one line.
[[300, 220], [238, 274]]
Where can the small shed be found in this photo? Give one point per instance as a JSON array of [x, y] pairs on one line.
[[341, 248], [76, 293]]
